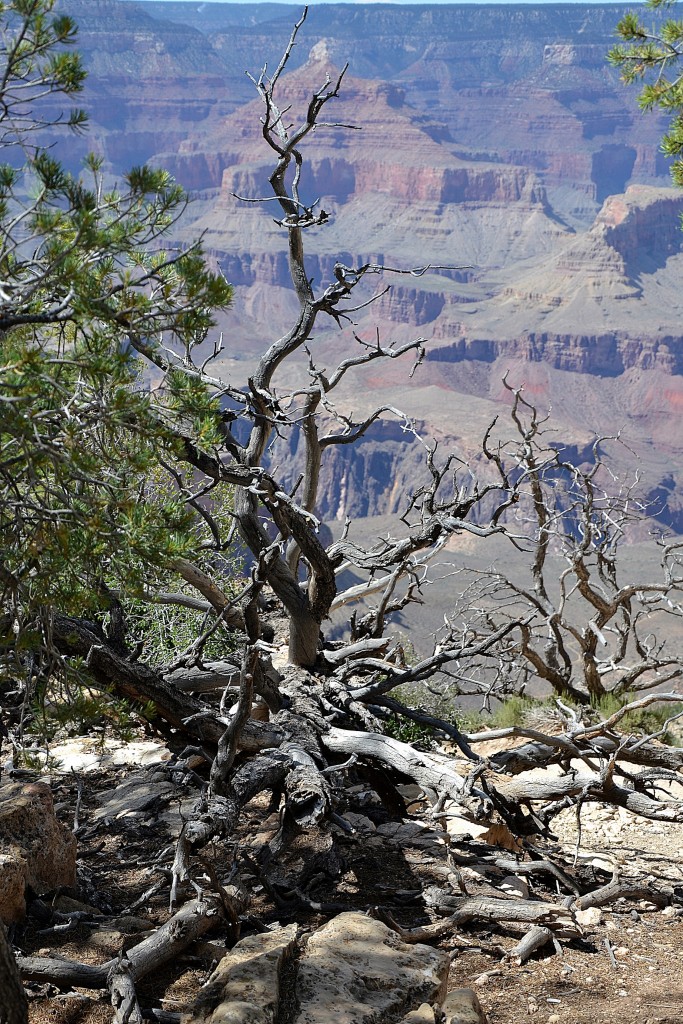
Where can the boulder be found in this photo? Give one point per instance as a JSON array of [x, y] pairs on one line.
[[12, 885], [245, 987], [35, 849], [462, 1006], [353, 970], [357, 970], [423, 1015]]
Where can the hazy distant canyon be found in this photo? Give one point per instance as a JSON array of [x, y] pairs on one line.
[[494, 139]]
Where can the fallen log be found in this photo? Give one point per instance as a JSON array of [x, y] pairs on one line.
[[122, 993], [191, 922], [489, 908]]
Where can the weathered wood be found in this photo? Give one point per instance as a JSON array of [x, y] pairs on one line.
[[546, 750], [535, 867], [63, 973], [207, 587], [616, 890], [13, 1004], [431, 770], [535, 938], [595, 787], [191, 922], [215, 676], [489, 908], [122, 993]]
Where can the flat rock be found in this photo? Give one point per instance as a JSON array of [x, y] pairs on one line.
[[245, 987], [85, 754], [457, 826], [412, 833], [359, 822], [35, 849], [356, 970], [142, 792], [67, 905]]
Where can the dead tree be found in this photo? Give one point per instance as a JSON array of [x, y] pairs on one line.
[[13, 1004], [586, 625], [326, 704]]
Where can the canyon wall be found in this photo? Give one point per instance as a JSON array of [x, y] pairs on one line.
[[495, 141]]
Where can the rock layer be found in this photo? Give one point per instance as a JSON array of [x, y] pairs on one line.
[[35, 849], [494, 140]]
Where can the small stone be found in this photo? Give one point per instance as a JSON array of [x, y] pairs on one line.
[[462, 1006], [623, 993], [515, 886], [483, 979], [669, 912], [553, 1018], [589, 918], [621, 951], [423, 1015]]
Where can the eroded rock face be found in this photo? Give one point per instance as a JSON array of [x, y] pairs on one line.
[[35, 849], [356, 969], [497, 144]]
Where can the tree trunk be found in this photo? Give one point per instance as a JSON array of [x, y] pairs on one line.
[[13, 1004]]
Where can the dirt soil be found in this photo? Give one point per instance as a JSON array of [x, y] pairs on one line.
[[625, 969]]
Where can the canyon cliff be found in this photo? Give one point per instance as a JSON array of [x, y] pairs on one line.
[[494, 140]]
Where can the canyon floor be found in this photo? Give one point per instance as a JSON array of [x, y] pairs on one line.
[[625, 968]]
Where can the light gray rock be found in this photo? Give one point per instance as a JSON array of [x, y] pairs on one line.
[[85, 754], [462, 1006], [245, 987], [35, 849], [357, 970], [423, 1015], [589, 918]]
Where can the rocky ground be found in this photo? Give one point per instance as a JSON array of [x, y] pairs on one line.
[[625, 967]]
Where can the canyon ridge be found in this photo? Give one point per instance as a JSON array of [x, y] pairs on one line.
[[494, 139]]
